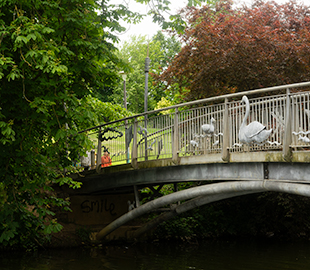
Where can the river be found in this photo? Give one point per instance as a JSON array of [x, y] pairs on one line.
[[232, 255]]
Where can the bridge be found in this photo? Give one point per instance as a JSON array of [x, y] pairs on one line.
[[230, 145]]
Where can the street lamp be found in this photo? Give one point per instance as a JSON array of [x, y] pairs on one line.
[[146, 72], [124, 76]]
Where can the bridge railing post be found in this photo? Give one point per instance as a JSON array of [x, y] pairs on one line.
[[226, 133], [287, 141], [92, 159], [175, 144], [145, 138], [98, 165], [134, 151]]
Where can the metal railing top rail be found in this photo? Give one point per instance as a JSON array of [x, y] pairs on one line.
[[205, 100]]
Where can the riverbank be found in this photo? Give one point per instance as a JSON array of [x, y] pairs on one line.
[[73, 236]]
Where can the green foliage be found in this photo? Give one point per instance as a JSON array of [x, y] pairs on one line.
[[3, 195], [161, 51], [283, 216], [159, 9], [106, 111], [84, 234], [182, 227], [163, 103], [278, 215], [52, 53], [97, 112], [54, 56]]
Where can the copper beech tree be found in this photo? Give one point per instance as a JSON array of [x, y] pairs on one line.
[[227, 50]]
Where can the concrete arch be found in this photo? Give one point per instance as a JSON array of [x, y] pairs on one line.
[[205, 194], [184, 207]]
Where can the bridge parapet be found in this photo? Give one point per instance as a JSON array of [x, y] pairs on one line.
[[214, 127]]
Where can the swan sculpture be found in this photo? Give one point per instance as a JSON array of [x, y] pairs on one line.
[[254, 132], [151, 146], [304, 139], [142, 131], [208, 129], [194, 143]]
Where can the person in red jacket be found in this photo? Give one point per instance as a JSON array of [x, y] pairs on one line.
[[105, 159]]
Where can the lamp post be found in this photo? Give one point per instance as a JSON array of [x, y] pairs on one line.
[[146, 72], [124, 76]]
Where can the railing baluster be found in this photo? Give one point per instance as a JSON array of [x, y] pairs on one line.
[[145, 138], [226, 133], [134, 151], [98, 167], [287, 153], [175, 146]]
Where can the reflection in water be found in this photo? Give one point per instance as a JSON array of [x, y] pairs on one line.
[[207, 256]]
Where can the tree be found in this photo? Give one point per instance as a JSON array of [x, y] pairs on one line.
[[54, 57], [52, 53], [161, 50], [229, 50]]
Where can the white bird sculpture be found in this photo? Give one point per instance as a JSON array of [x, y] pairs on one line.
[[142, 131], [151, 146], [254, 132], [216, 142], [131, 205], [194, 143], [304, 139], [208, 129]]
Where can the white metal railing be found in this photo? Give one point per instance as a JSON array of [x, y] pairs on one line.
[[209, 126]]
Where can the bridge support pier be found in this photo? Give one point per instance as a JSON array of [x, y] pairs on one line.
[[136, 192]]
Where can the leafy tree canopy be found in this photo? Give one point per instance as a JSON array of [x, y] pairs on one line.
[[161, 13], [227, 49], [52, 54], [54, 57]]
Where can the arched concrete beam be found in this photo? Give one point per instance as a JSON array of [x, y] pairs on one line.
[[184, 207], [210, 189]]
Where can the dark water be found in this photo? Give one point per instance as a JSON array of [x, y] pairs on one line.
[[206, 256]]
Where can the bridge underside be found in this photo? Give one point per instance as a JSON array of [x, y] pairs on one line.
[[125, 178], [201, 195]]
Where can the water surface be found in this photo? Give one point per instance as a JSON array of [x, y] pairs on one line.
[[167, 256]]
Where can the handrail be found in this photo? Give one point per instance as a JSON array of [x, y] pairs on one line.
[[205, 100]]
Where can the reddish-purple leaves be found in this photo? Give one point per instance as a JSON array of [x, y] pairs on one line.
[[235, 50]]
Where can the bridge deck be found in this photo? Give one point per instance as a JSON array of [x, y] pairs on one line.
[[262, 166]]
